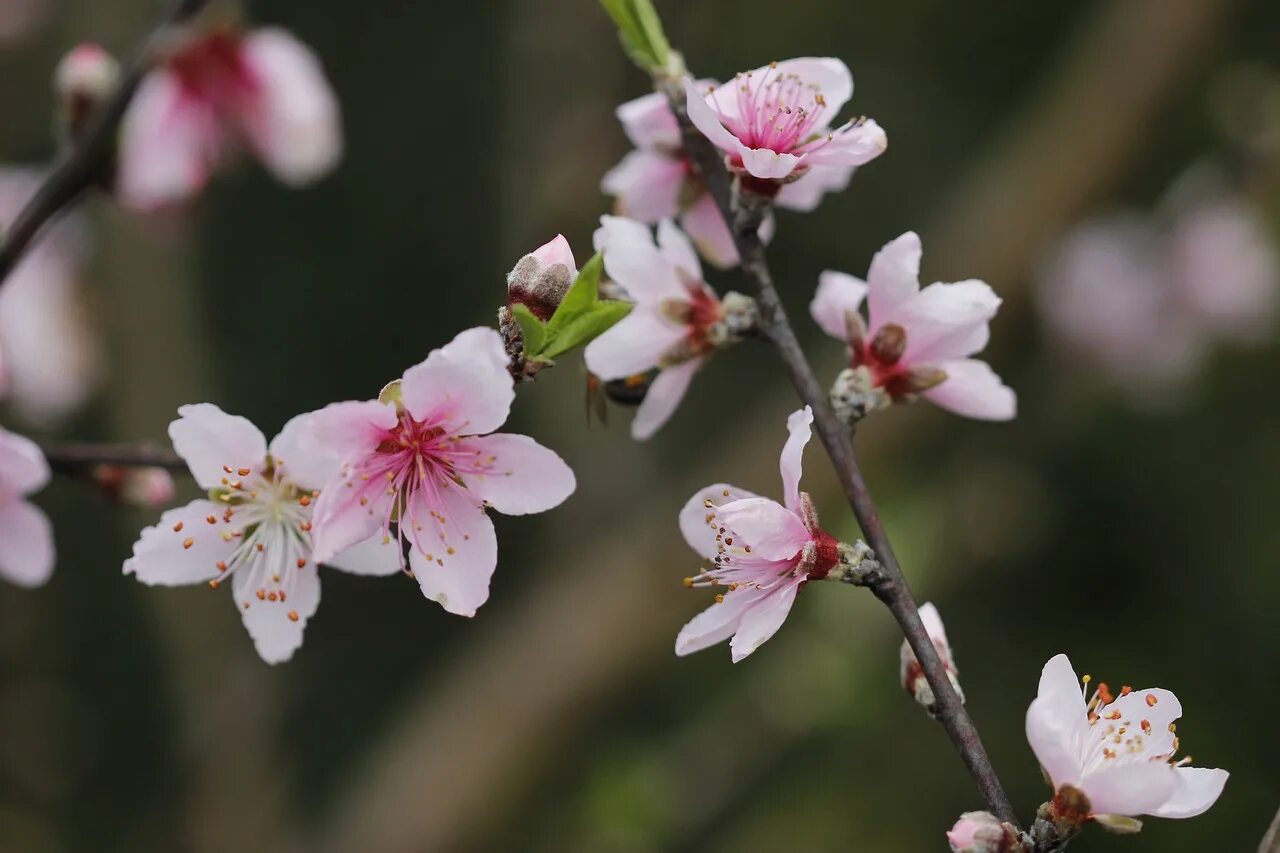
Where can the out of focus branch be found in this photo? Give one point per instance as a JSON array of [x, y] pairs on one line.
[[1271, 841], [76, 460], [84, 162]]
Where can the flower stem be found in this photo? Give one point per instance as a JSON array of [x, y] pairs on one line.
[[78, 460], [83, 163], [744, 214]]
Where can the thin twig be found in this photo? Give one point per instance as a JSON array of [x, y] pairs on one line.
[[84, 162], [77, 460], [1271, 841], [891, 587]]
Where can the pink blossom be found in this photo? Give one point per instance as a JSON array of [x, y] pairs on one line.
[[264, 90], [50, 358], [255, 526], [775, 122], [763, 553], [140, 487], [1116, 749], [26, 536], [916, 341], [677, 321], [430, 462], [910, 672]]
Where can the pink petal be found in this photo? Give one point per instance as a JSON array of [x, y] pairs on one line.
[[677, 249], [299, 455], [26, 544], [838, 297], [464, 384], [1158, 708], [168, 143], [707, 120], [829, 75], [806, 193], [352, 429], [718, 622], [1130, 789], [211, 441], [649, 122], [635, 344], [894, 277], [458, 582], [189, 554], [933, 623], [762, 620], [700, 535], [854, 146], [646, 184], [768, 165], [1057, 723], [663, 398], [616, 231], [637, 264], [946, 321], [23, 468], [972, 389], [525, 477], [790, 464], [706, 227], [555, 251], [295, 126], [377, 556], [773, 531], [275, 635], [1198, 788], [340, 521]]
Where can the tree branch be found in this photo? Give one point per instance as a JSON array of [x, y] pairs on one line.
[[891, 586], [86, 160], [78, 460], [1271, 841]]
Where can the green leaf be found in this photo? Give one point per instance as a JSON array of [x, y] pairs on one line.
[[531, 328], [582, 296], [640, 30], [585, 328]]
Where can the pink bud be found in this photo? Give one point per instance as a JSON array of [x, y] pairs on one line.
[[542, 278], [140, 487], [85, 77], [982, 832]]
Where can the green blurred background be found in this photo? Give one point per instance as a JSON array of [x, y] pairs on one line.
[[1140, 542]]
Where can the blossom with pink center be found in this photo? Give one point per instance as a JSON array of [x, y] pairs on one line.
[[255, 526], [262, 90], [50, 359], [26, 536], [911, 674], [915, 341], [429, 462], [775, 122], [762, 552], [677, 321], [1117, 749]]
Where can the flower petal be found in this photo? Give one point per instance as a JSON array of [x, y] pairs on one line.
[[182, 548], [352, 428], [766, 164], [211, 441], [972, 389], [646, 184], [168, 142], [706, 119], [525, 477], [1057, 722], [26, 544], [377, 556], [465, 384], [1130, 789], [706, 227], [806, 193], [773, 531], [633, 345], [828, 75], [852, 146], [300, 456], [718, 622], [762, 620], [894, 277], [946, 321], [799, 427], [295, 124], [637, 264], [677, 249], [649, 123], [457, 581], [346, 516], [1198, 788], [838, 298], [276, 635], [663, 398], [23, 468], [698, 530]]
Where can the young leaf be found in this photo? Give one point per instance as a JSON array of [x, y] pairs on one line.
[[640, 30], [585, 328], [531, 328]]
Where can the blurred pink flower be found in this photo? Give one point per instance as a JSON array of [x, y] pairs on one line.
[[676, 322], [916, 341], [431, 463], [775, 122], [26, 536], [141, 487], [50, 359], [264, 89], [762, 551], [255, 526], [1116, 750], [982, 832], [910, 672]]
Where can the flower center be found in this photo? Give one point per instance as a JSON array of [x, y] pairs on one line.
[[1119, 729], [212, 69], [735, 565], [777, 110]]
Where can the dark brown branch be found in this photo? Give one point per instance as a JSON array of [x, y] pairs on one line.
[[891, 586], [80, 460], [90, 157]]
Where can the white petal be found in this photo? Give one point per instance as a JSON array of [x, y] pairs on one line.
[[829, 75], [299, 455], [1130, 789], [806, 193], [677, 249], [339, 521], [295, 124], [211, 441], [972, 389], [646, 184], [458, 581], [763, 619], [698, 531], [649, 122], [26, 544], [464, 386], [706, 227], [619, 230], [638, 265], [839, 297], [768, 165], [946, 321], [1198, 788], [799, 427], [718, 622], [894, 277], [23, 468], [1057, 722], [525, 477], [635, 344], [707, 120], [183, 547], [663, 398], [377, 556], [168, 143], [275, 635], [773, 531], [853, 146]]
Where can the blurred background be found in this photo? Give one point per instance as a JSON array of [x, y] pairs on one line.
[[1088, 159]]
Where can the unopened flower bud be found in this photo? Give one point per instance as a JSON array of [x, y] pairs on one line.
[[85, 78], [912, 674], [140, 487], [541, 279], [855, 395], [982, 832], [889, 343]]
